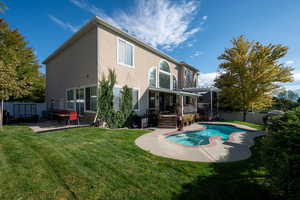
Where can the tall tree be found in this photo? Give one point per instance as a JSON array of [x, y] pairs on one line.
[[36, 92], [105, 101], [288, 95], [251, 74], [18, 65]]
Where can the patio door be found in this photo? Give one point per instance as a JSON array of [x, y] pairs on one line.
[[79, 101], [162, 102]]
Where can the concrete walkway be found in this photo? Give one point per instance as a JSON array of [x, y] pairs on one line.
[[236, 148], [47, 126]]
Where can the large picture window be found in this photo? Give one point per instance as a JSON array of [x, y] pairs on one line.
[[189, 77], [164, 75], [70, 99], [79, 100], [125, 53]]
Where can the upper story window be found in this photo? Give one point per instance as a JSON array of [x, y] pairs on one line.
[[164, 75], [152, 77], [189, 77], [164, 66], [125, 53], [174, 82]]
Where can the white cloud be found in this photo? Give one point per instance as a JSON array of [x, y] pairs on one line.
[[189, 44], [64, 25], [85, 5], [295, 85], [289, 62], [207, 79], [196, 54], [296, 76], [292, 87], [204, 19], [161, 23]]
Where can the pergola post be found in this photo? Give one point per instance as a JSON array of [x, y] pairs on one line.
[[180, 112], [211, 105], [181, 105]]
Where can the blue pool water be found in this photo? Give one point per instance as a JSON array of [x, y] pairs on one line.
[[201, 137]]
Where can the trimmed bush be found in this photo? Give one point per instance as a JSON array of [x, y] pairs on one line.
[[281, 154]]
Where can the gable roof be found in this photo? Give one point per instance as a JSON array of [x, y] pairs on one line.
[[96, 21]]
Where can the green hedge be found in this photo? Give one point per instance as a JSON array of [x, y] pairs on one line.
[[281, 154]]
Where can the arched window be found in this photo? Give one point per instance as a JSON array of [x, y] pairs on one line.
[[152, 77], [164, 66], [164, 75]]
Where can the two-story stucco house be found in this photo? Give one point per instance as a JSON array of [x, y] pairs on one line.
[[73, 72]]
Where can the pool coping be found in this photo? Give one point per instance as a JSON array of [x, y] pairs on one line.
[[234, 149]]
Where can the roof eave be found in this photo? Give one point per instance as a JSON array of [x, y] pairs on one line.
[[95, 21]]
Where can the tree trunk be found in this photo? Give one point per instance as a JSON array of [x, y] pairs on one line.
[[1, 116], [244, 115]]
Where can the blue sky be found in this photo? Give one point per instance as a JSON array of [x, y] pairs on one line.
[[195, 31]]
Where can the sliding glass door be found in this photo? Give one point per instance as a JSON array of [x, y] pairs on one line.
[[79, 101]]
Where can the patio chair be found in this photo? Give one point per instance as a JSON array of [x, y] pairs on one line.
[[73, 116]]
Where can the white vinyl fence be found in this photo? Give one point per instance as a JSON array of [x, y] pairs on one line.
[[253, 117], [21, 109]]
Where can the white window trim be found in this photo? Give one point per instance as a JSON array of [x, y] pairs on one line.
[[139, 95], [133, 50], [164, 72], [80, 100], [89, 86], [174, 75], [71, 101], [119, 87], [162, 60], [149, 71]]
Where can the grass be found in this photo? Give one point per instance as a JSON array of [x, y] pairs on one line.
[[252, 125], [91, 163]]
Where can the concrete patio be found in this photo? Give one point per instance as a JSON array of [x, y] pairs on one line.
[[236, 148], [47, 126]]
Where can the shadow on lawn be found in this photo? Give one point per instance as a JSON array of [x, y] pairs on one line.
[[236, 180]]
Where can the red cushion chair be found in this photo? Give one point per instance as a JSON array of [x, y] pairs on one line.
[[73, 116]]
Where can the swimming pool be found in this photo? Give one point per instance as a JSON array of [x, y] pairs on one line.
[[201, 137]]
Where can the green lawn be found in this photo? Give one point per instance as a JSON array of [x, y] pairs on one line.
[[91, 163], [252, 125]]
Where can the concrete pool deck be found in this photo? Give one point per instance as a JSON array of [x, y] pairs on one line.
[[236, 148]]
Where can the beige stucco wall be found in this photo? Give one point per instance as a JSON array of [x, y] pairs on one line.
[[136, 77], [92, 55], [76, 66]]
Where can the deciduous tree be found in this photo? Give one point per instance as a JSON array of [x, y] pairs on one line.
[[251, 73], [18, 65]]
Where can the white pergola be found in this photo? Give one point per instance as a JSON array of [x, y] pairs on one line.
[[179, 93], [202, 90]]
